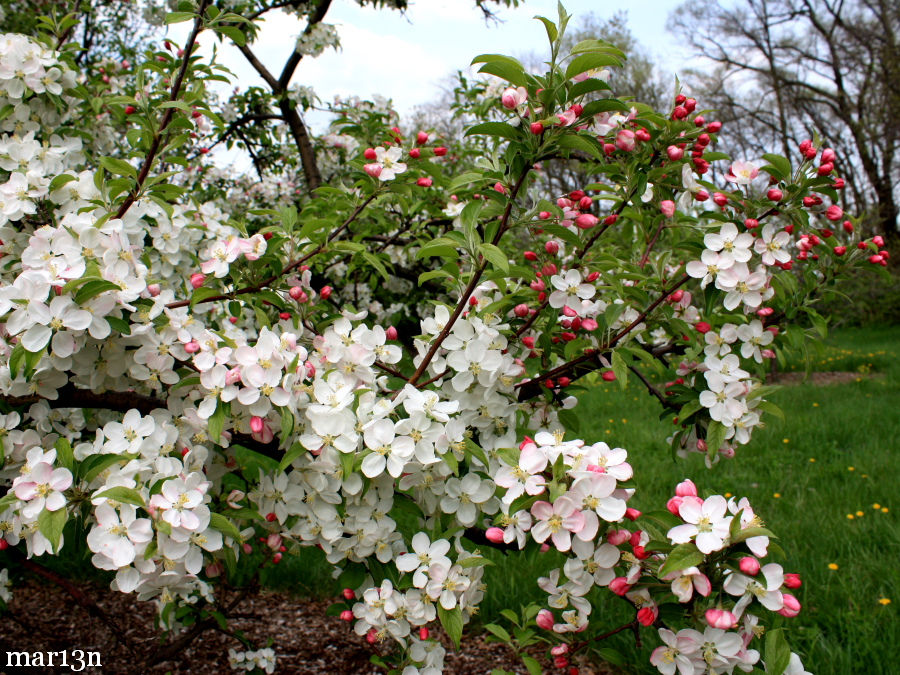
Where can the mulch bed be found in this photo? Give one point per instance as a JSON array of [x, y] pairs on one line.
[[306, 641]]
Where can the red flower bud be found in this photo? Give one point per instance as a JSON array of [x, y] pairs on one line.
[[775, 195], [440, 151], [674, 152], [608, 376], [551, 247], [415, 153], [421, 138], [702, 327], [537, 128], [424, 181], [370, 153]]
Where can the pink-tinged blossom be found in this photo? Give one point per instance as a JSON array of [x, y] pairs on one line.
[[42, 488], [674, 654], [686, 581], [742, 172], [765, 587], [525, 476], [705, 520], [557, 521]]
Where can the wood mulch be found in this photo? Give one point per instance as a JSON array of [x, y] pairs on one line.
[[307, 642]]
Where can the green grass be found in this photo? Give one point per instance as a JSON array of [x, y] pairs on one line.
[[836, 454]]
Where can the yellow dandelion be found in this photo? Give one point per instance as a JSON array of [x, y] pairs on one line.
[[851, 468], [860, 514], [884, 509], [815, 405], [884, 601], [865, 475], [832, 566], [624, 421], [787, 440], [876, 506], [812, 459], [727, 494], [777, 495], [850, 516]]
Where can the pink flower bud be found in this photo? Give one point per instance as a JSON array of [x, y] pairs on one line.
[[421, 138], [348, 594], [792, 580], [586, 221], [791, 606], [625, 140], [537, 128], [371, 636], [233, 375], [390, 333], [608, 376], [674, 152], [559, 650], [618, 537], [494, 534], [346, 615], [325, 292], [619, 586], [256, 424], [589, 325], [509, 98], [544, 619], [521, 310], [192, 347], [667, 206], [370, 153], [828, 155], [424, 181], [702, 327], [834, 212], [775, 195], [560, 661], [373, 170], [632, 514], [545, 547], [424, 633], [686, 488], [720, 618], [247, 548], [673, 505], [878, 240], [646, 616], [551, 247], [197, 279], [749, 565], [154, 290]]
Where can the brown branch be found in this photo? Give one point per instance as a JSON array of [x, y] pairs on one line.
[[71, 397], [168, 113], [473, 282], [589, 361], [287, 270], [653, 390]]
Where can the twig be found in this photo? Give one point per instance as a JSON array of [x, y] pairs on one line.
[[167, 113]]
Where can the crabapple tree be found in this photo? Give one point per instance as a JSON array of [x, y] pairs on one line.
[[376, 343]]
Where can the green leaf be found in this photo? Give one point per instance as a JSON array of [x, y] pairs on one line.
[[477, 452], [475, 561], [118, 167], [501, 129], [750, 532], [122, 494], [777, 166], [216, 422], [64, 453], [94, 288], [498, 631], [612, 656], [94, 465], [534, 668], [465, 179], [506, 71], [235, 33], [51, 524], [590, 61], [583, 143], [495, 256], [201, 294], [552, 34], [179, 17], [7, 500], [603, 105], [778, 652], [452, 621], [620, 368], [681, 557], [295, 451], [715, 437], [225, 526], [61, 180]]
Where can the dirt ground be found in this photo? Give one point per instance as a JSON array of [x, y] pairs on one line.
[[306, 641]]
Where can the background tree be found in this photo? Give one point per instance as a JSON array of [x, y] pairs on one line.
[[788, 67]]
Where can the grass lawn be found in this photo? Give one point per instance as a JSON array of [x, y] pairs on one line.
[[825, 480]]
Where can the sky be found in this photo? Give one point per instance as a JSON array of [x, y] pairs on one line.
[[406, 56]]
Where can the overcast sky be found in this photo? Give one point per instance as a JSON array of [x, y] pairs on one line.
[[405, 56]]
